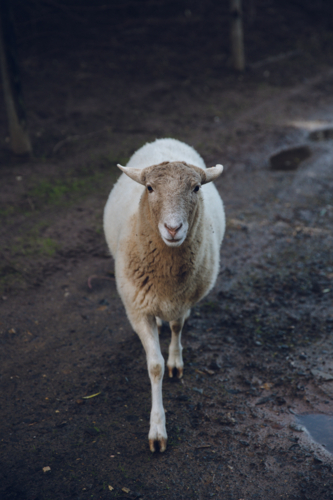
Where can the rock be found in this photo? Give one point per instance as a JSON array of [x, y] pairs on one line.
[[323, 375], [297, 427], [280, 400], [226, 420], [321, 135], [264, 400], [214, 365], [289, 159]]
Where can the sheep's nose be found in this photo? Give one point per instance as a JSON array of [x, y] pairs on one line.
[[173, 230]]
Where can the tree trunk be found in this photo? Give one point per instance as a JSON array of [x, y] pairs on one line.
[[19, 138], [237, 44]]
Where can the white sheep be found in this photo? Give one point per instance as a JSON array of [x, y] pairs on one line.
[[164, 231]]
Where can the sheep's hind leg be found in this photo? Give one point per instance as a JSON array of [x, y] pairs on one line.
[[187, 315], [175, 361], [159, 323], [146, 328]]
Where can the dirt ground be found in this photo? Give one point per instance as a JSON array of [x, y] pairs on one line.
[[75, 393]]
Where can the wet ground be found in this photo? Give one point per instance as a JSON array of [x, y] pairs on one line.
[[252, 417]]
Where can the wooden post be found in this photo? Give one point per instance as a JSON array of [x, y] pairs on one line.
[[19, 138], [237, 44]]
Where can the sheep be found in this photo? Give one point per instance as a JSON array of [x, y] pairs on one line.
[[164, 232]]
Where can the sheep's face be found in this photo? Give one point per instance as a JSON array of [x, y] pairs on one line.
[[173, 193]]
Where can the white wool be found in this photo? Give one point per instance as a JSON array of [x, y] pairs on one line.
[[161, 150]]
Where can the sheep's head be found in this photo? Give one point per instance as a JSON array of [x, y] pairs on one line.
[[173, 192]]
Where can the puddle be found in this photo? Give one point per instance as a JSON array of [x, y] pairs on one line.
[[321, 135], [320, 428], [289, 159]]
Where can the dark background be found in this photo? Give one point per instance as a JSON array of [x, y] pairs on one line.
[[183, 43]]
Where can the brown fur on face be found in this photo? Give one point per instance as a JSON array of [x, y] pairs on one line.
[[156, 271], [175, 169]]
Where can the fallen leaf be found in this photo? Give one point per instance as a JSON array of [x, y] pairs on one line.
[[92, 396], [267, 386], [275, 425], [210, 372], [102, 308], [125, 490], [237, 224], [110, 488]]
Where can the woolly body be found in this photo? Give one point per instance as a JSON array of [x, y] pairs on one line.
[[159, 281], [155, 280]]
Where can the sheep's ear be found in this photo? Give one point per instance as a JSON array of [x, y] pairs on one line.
[[133, 173], [210, 174]]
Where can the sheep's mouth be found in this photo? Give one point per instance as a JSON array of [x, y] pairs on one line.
[[173, 242]]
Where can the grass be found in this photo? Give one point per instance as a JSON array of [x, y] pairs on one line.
[[5, 212], [210, 306], [23, 249], [34, 244], [99, 173], [11, 278], [123, 470], [53, 192]]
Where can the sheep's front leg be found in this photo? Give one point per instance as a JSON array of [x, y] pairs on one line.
[[147, 331]]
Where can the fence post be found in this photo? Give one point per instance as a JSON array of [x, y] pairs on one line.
[[19, 138], [237, 43]]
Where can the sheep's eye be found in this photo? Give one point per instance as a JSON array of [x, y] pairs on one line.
[[196, 189], [150, 189]]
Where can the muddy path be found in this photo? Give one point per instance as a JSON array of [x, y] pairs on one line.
[[75, 394]]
